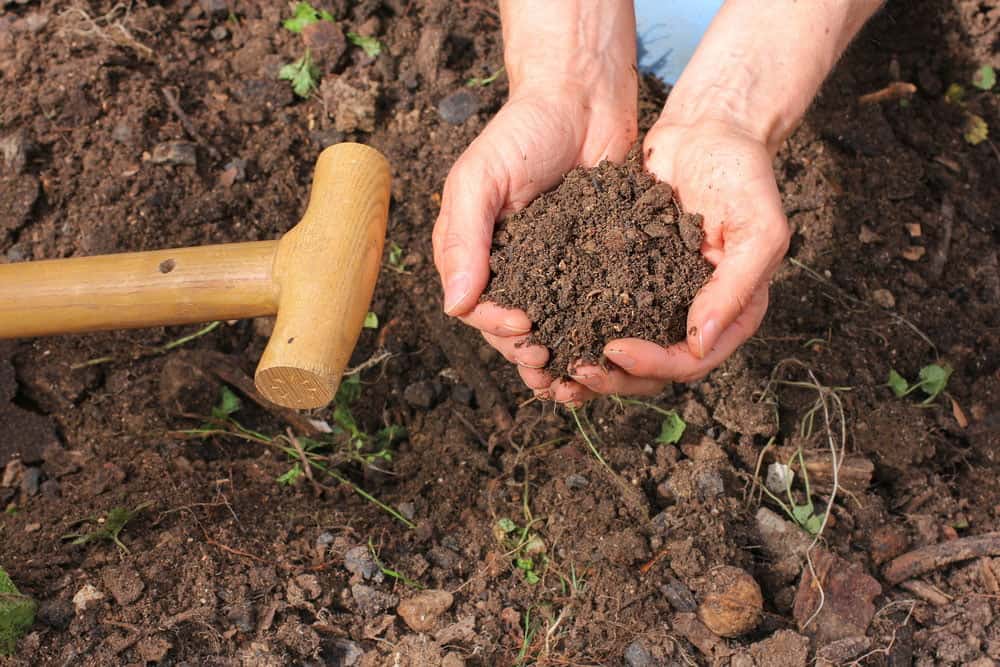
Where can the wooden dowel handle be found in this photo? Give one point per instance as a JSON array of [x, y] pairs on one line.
[[326, 269], [142, 289]]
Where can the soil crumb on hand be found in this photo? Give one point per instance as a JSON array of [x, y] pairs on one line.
[[608, 254]]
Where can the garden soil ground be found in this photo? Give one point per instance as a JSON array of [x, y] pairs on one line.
[[893, 264]]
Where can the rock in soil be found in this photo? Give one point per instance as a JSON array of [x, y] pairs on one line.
[[359, 562], [782, 649], [175, 153], [86, 597], [457, 107], [847, 602], [371, 601], [123, 583], [422, 394], [608, 254], [421, 612], [351, 108], [732, 604]]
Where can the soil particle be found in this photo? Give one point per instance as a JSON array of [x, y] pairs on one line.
[[602, 256], [351, 108], [87, 597], [371, 601], [843, 651], [359, 562], [457, 107], [423, 394], [18, 195], [421, 612], [153, 649], [175, 153], [56, 613], [782, 649]]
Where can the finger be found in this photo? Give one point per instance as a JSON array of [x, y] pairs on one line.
[[491, 318], [515, 350], [571, 393], [752, 253], [535, 379], [616, 381], [677, 363], [474, 192]]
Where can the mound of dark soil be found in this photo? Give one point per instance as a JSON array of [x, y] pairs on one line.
[[608, 254]]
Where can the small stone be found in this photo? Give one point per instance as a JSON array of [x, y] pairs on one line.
[[884, 298], [88, 596], [576, 481], [359, 562], [733, 603], [30, 481], [637, 655], [235, 171], [325, 539], [709, 484], [678, 594], [463, 395], [370, 601], [352, 108], [421, 394], [656, 230], [779, 478], [913, 253], [421, 612], [17, 253], [219, 33], [176, 153], [14, 150], [457, 107], [346, 653], [124, 584], [407, 509], [55, 613], [847, 603]]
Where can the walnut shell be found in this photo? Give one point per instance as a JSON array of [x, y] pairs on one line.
[[732, 604]]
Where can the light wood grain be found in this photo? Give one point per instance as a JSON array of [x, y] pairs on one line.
[[326, 268]]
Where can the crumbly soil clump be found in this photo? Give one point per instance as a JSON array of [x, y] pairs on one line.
[[607, 254]]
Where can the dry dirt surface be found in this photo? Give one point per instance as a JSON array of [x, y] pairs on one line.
[[501, 539]]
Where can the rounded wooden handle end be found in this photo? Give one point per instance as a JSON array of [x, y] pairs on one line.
[[326, 268]]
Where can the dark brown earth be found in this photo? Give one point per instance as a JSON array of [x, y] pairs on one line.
[[607, 254], [228, 567]]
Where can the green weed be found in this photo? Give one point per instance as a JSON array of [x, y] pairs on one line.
[[984, 78], [932, 380], [17, 614], [304, 14], [671, 429], [476, 82], [389, 572], [396, 258], [303, 75], [370, 45], [110, 526], [371, 320]]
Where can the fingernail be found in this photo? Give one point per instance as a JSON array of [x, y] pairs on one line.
[[531, 366], [455, 290], [707, 336], [621, 359]]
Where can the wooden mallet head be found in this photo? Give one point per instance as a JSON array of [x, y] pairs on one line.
[[318, 280]]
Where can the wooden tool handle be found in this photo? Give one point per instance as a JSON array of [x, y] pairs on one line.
[[141, 289], [326, 268]]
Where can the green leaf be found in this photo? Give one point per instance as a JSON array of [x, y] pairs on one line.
[[370, 45], [531, 577], [371, 320], [525, 564], [954, 94], [302, 74], [17, 614], [671, 429], [345, 420], [802, 513], [813, 524], [898, 383], [228, 404], [976, 130], [395, 254], [506, 525], [476, 82], [984, 78], [350, 389], [933, 380], [303, 15], [292, 476]]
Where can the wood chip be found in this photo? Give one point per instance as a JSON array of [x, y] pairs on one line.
[[914, 230], [914, 252], [926, 592], [936, 556], [959, 414], [894, 91]]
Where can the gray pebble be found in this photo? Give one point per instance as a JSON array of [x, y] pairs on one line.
[[457, 107], [577, 482], [122, 132], [710, 484], [407, 509], [17, 253], [637, 655], [345, 653], [371, 601], [31, 480], [359, 561], [325, 538], [219, 33], [175, 152]]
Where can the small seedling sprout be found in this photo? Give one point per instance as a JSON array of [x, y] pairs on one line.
[[984, 78], [672, 427], [476, 82], [370, 45], [396, 260], [371, 320], [303, 75], [932, 380], [304, 15], [17, 614], [111, 526]]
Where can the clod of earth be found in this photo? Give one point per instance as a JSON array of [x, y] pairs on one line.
[[733, 603], [608, 254]]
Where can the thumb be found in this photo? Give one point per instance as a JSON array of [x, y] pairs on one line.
[[473, 195], [751, 254]]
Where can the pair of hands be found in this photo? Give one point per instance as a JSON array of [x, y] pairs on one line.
[[716, 167]]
